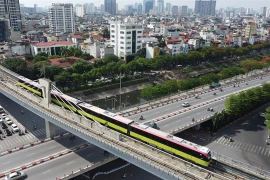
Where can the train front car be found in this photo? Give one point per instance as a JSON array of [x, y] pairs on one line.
[[175, 145], [30, 85]]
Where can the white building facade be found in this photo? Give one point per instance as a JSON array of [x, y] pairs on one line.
[[61, 18], [126, 38]]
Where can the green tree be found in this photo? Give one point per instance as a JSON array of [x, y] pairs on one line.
[[63, 79], [16, 64], [86, 56], [141, 52], [110, 58], [147, 92]]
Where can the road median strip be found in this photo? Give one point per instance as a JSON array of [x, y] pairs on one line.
[[45, 159], [33, 144], [133, 112]]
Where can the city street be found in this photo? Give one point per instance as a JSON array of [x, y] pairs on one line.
[[248, 146]]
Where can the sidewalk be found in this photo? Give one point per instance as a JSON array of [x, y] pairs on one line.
[[183, 95]]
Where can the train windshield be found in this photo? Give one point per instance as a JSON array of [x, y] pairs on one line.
[[209, 155]]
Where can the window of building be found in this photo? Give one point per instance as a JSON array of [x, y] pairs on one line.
[[128, 42], [113, 41], [113, 36], [138, 41], [128, 37], [121, 47], [133, 27], [39, 49], [139, 31], [139, 36], [121, 37], [122, 32], [121, 42], [113, 31], [128, 32], [113, 26], [138, 47], [128, 47]]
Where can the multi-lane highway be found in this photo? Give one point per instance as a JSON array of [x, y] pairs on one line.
[[170, 108]]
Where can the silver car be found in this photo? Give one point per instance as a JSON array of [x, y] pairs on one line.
[[16, 175]]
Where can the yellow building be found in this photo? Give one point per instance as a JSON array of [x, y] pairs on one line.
[[250, 29]]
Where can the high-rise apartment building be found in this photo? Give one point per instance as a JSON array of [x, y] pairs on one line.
[[175, 10], [61, 18], [168, 7], [205, 7], [263, 11], [110, 6], [140, 8], [4, 30], [184, 11], [160, 6], [148, 5], [126, 37], [80, 10], [11, 8]]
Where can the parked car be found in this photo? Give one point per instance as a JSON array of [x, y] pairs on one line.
[[16, 175], [265, 122], [3, 115], [214, 85], [7, 132], [14, 127], [262, 114], [8, 121], [1, 120], [4, 126], [185, 104]]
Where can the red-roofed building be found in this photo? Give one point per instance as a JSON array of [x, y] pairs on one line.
[[64, 62], [51, 48]]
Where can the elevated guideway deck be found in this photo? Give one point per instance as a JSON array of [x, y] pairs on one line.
[[152, 160]]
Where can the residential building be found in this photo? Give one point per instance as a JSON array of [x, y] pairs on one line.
[[250, 29], [160, 5], [10, 9], [110, 6], [140, 7], [152, 50], [126, 37], [168, 7], [175, 10], [148, 5], [80, 10], [50, 48], [184, 11], [237, 40], [263, 11], [205, 7], [61, 18], [4, 30]]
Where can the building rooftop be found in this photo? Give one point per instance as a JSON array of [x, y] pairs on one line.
[[46, 44]]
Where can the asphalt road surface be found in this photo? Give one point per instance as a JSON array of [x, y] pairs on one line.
[[37, 152], [170, 108], [248, 146], [66, 164]]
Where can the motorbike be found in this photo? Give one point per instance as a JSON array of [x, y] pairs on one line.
[[215, 94], [141, 118]]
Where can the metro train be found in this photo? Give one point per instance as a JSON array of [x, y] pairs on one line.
[[190, 151]]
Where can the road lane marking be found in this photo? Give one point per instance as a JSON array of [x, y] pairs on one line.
[[90, 154], [252, 148], [7, 162], [259, 150], [262, 150], [266, 151], [31, 154], [47, 171], [256, 148], [70, 162], [269, 153], [245, 147]]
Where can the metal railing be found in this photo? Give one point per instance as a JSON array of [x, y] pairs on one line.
[[240, 165]]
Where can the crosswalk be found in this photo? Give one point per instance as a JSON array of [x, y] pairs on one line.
[[244, 146], [15, 140]]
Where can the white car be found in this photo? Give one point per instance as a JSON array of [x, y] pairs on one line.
[[185, 104], [14, 127], [265, 122], [1, 120], [4, 115], [15, 175], [262, 114], [8, 121]]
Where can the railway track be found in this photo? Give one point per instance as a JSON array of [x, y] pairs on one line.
[[216, 170]]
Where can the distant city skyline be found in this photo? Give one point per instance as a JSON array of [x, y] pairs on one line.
[[255, 4]]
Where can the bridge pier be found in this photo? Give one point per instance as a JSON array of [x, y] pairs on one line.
[[50, 129]]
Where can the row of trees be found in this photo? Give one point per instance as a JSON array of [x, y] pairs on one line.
[[82, 71], [238, 105]]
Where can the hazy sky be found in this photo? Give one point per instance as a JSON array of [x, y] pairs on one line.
[[256, 4]]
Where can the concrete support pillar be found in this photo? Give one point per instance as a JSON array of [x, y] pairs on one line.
[[50, 129], [197, 127]]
